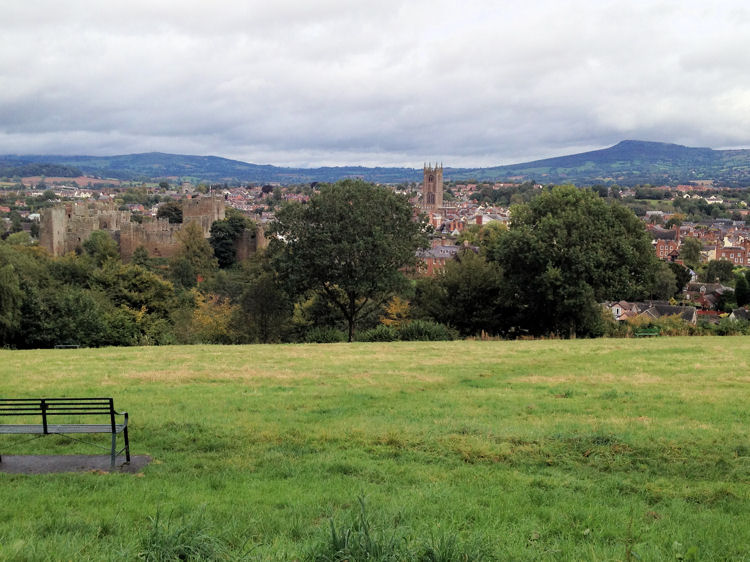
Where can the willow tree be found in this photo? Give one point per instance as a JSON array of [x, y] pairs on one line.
[[349, 243]]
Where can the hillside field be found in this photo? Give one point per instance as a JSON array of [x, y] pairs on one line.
[[530, 450]]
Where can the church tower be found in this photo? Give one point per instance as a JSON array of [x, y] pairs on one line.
[[432, 188]]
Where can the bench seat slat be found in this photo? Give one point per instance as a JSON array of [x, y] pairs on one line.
[[13, 429]]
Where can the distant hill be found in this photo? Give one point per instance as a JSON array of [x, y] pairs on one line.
[[633, 162], [212, 169], [22, 169], [629, 162]]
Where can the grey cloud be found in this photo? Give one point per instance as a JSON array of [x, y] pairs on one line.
[[336, 82]]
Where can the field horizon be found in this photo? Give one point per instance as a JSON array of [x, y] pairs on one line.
[[607, 449]]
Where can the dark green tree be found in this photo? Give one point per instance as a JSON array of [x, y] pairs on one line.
[[15, 221], [101, 247], [723, 270], [742, 290], [464, 295], [135, 287], [194, 258], [171, 210], [11, 298], [349, 242], [140, 256], [265, 308], [664, 283], [681, 274], [690, 251], [567, 251], [225, 234]]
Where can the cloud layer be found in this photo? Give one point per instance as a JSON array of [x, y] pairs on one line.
[[332, 82]]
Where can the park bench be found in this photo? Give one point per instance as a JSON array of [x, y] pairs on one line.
[[48, 410], [648, 332]]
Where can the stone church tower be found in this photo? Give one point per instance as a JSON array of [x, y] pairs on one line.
[[432, 188]]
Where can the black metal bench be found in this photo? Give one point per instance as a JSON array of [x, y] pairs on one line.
[[71, 408]]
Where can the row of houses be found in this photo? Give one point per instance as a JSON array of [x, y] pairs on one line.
[[720, 240], [652, 310]]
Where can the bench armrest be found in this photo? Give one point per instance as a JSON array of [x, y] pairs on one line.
[[125, 423]]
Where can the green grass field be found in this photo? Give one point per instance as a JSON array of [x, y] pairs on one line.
[[532, 450]]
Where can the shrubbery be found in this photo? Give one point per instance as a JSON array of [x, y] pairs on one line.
[[379, 333], [424, 330], [324, 335]]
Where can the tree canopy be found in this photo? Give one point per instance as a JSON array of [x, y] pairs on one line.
[[171, 210], [566, 251], [224, 236], [464, 295], [690, 251], [194, 258], [349, 242]]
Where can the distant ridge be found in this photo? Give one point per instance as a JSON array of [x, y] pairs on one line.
[[629, 162]]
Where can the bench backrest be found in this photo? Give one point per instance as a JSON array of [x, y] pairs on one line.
[[46, 407]]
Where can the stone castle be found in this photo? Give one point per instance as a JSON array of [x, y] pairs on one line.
[[64, 228]]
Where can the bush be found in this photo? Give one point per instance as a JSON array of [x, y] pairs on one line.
[[379, 333], [423, 330], [324, 335], [730, 327]]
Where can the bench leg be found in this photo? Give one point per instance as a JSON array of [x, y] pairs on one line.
[[127, 445], [114, 450]]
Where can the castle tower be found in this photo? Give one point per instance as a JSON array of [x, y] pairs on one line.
[[432, 188]]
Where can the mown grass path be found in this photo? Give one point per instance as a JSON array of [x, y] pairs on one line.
[[530, 450]]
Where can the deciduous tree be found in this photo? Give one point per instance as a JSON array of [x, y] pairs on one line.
[[349, 242], [194, 258], [690, 251], [171, 210], [464, 295], [565, 252], [721, 270]]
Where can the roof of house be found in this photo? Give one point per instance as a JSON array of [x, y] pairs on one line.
[[658, 310], [663, 234]]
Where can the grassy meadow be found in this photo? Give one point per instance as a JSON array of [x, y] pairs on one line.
[[531, 450]]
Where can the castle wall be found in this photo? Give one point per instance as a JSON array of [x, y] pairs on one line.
[[205, 211], [159, 237], [52, 227], [64, 228]]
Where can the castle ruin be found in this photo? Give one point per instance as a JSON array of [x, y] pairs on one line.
[[64, 228]]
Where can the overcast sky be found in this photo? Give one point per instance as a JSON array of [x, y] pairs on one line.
[[376, 82]]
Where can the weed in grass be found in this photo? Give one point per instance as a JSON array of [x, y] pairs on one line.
[[682, 553], [189, 538], [362, 540], [359, 541], [448, 547]]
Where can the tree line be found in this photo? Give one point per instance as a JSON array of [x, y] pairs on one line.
[[340, 267]]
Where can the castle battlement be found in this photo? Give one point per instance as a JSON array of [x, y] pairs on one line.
[[65, 228]]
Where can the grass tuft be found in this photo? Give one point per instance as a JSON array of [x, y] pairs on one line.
[[187, 538], [359, 541]]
